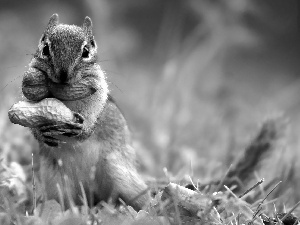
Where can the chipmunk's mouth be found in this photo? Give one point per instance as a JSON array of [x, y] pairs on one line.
[[61, 77]]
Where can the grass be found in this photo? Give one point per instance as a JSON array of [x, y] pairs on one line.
[[217, 202]]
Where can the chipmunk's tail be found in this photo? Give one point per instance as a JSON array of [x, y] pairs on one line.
[[271, 133], [241, 173]]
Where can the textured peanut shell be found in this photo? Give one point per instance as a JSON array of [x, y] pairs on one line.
[[32, 114]]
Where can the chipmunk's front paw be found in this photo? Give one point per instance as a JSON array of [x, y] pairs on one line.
[[51, 132]]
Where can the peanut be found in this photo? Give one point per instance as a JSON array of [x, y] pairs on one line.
[[35, 114]]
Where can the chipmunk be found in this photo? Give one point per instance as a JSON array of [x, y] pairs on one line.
[[95, 151]]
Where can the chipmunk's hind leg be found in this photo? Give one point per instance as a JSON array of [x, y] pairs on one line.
[[128, 185]]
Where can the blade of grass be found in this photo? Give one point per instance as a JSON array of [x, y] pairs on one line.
[[42, 207], [175, 201], [292, 209], [223, 179], [193, 183], [228, 189], [251, 188], [126, 207], [61, 197], [69, 195], [258, 209], [84, 200], [91, 187], [296, 222], [33, 183]]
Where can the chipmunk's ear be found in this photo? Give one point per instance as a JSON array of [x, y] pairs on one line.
[[53, 21], [88, 25]]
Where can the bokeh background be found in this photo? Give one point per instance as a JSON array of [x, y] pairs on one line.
[[194, 78]]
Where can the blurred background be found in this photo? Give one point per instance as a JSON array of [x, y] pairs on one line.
[[194, 78]]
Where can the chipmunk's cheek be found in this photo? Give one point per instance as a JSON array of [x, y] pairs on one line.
[[74, 91], [35, 85]]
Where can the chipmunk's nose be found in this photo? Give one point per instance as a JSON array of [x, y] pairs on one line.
[[63, 76]]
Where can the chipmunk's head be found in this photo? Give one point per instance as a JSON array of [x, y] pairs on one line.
[[67, 49]]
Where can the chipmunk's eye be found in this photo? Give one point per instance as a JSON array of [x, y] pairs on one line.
[[46, 51], [85, 52]]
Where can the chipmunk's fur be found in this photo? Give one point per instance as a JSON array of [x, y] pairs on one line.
[[96, 153]]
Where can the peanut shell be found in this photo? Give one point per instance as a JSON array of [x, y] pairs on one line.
[[35, 114]]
